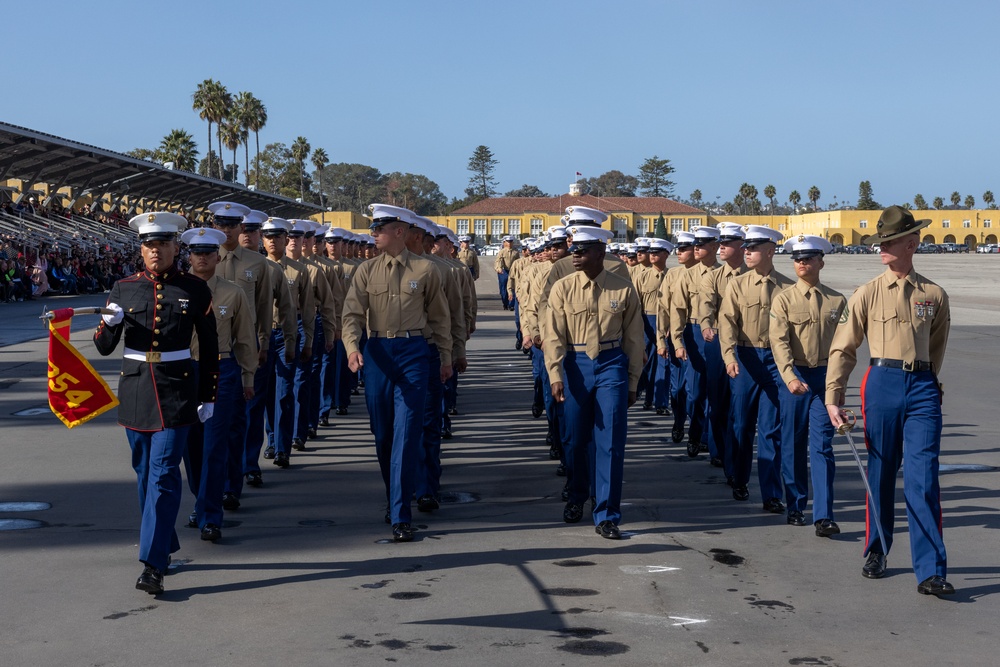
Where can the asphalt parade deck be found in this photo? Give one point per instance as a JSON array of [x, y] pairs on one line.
[[306, 574]]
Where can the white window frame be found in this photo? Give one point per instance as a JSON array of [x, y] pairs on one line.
[[514, 227], [676, 225], [537, 227], [497, 227], [462, 226]]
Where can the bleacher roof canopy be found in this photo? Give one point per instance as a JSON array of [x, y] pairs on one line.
[[36, 157]]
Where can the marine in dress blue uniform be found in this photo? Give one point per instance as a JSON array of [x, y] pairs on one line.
[[156, 312], [906, 319]]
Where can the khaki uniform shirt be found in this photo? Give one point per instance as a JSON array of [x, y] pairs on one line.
[[647, 284], [322, 299], [284, 310], [233, 326], [531, 324], [467, 286], [456, 309], [663, 314], [684, 300], [906, 319], [338, 288], [564, 267], [248, 269], [408, 297], [713, 288], [505, 259], [470, 259], [803, 320], [300, 288], [515, 275], [584, 313], [743, 318], [636, 272]]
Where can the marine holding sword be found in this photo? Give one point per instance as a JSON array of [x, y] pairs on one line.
[[906, 319]]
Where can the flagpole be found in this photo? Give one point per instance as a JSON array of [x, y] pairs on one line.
[[89, 310]]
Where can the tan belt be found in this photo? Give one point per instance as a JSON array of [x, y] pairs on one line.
[[155, 356], [412, 333]]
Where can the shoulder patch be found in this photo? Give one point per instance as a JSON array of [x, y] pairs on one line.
[[843, 315]]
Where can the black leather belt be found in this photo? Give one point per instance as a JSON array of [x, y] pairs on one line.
[[908, 366]]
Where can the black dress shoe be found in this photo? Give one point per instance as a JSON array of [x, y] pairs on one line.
[[517, 344], [402, 532], [211, 533], [826, 528], [355, 392], [453, 411], [230, 501], [192, 520], [298, 444], [555, 452], [677, 433], [693, 448], [311, 433], [324, 420], [715, 462], [151, 581], [281, 460], [796, 518], [936, 585], [565, 492], [254, 479], [572, 513], [774, 506], [426, 503], [730, 481], [647, 406], [875, 566], [269, 453], [741, 493], [536, 411], [560, 470], [608, 530], [341, 411], [446, 434]]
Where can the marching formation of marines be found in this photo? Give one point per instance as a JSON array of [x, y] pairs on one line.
[[247, 354]]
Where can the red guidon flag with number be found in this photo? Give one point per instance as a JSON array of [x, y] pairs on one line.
[[77, 393]]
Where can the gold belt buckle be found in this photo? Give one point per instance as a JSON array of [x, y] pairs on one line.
[[153, 357], [390, 334], [908, 366]]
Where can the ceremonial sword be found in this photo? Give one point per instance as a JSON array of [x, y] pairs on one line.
[[845, 429]]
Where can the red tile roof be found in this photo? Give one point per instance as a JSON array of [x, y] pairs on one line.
[[557, 205]]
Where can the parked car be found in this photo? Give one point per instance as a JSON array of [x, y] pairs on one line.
[[928, 248], [988, 248]]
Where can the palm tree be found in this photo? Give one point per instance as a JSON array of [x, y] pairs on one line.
[[201, 102], [255, 117], [988, 198], [231, 135], [956, 199], [770, 192], [814, 196], [938, 203], [242, 108], [179, 147], [220, 107], [320, 160], [794, 198], [300, 153], [970, 201]]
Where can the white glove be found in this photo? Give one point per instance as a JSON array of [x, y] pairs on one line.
[[205, 411], [116, 318]]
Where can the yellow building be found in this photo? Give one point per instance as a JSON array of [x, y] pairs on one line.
[[491, 219], [971, 227]]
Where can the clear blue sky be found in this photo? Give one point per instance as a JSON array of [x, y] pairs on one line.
[[793, 94]]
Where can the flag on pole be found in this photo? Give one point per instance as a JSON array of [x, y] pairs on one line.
[[77, 393], [579, 174]]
